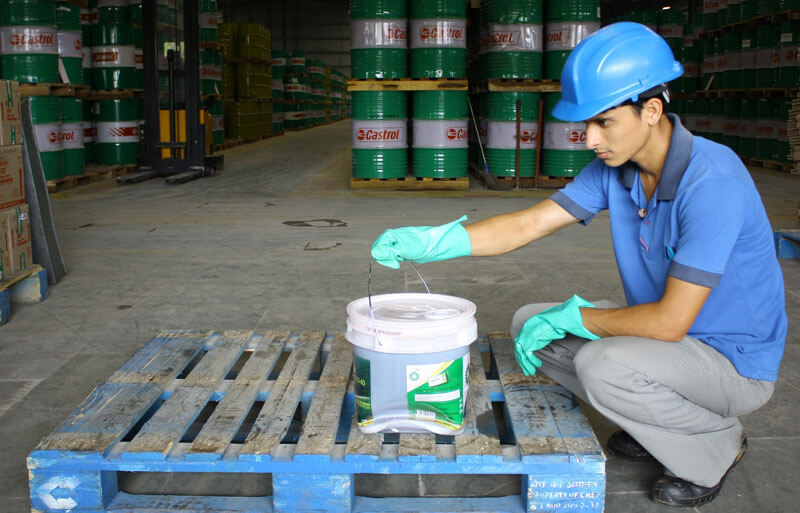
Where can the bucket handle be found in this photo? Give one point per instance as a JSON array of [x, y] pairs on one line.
[[369, 294]]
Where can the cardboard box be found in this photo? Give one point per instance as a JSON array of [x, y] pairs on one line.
[[19, 237], [12, 186], [10, 116], [5, 250]]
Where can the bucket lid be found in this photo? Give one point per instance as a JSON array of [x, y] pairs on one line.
[[411, 323]]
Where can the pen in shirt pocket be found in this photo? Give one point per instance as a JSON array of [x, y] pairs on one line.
[[669, 252]]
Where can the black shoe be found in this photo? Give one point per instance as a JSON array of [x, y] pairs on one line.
[[674, 491], [623, 445]]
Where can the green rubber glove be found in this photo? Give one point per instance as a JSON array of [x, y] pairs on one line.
[[544, 327], [422, 244]]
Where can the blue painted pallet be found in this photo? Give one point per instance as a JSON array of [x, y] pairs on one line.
[[281, 405], [29, 286], [787, 244]]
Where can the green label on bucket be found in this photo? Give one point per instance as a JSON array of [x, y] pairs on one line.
[[437, 392], [362, 389]]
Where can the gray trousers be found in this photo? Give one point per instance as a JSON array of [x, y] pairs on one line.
[[680, 400]]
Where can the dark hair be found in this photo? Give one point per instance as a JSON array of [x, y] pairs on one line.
[[660, 92]]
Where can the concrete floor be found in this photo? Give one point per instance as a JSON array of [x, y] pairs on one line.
[[216, 254]]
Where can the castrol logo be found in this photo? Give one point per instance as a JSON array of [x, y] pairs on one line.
[[77, 44], [577, 136], [105, 56], [370, 134], [527, 136], [52, 136], [394, 33], [504, 38], [558, 36], [433, 32], [36, 39], [68, 135], [456, 134]]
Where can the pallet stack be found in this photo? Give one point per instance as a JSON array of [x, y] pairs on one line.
[[794, 134]]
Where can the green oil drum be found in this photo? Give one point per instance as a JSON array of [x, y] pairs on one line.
[[784, 149], [113, 56], [277, 88], [217, 123], [86, 45], [440, 125], [515, 38], [501, 133], [734, 12], [297, 61], [690, 114], [380, 134], [768, 6], [208, 21], [566, 23], [648, 17], [316, 70], [747, 78], [716, 114], [720, 63], [730, 123], [113, 11], [709, 60], [670, 27], [722, 13], [29, 41], [277, 118], [378, 38], [280, 61], [210, 72], [691, 60], [72, 134], [293, 115], [46, 115], [747, 128], [166, 12], [117, 131], [89, 134], [766, 129], [703, 123], [710, 16], [135, 11], [297, 87], [138, 56], [749, 9], [483, 42], [438, 38], [70, 51], [789, 60], [564, 150], [732, 74], [767, 55]]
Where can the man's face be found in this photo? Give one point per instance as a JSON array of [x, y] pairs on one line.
[[616, 135]]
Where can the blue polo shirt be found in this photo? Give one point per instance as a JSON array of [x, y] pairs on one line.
[[705, 224]]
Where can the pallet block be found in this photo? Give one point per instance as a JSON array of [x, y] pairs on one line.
[[28, 286], [282, 405]]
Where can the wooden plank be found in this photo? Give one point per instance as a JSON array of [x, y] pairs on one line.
[[275, 417], [224, 423], [531, 419], [417, 447], [479, 441], [319, 430], [411, 183], [408, 84], [162, 359], [362, 446], [103, 418], [523, 85], [164, 430]]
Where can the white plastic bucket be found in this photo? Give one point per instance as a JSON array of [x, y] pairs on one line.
[[411, 361]]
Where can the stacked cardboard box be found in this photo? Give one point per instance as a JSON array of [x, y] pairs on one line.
[[15, 229]]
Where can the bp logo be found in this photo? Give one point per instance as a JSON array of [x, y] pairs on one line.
[[577, 136], [456, 134]]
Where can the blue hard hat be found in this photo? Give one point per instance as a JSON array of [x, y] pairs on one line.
[[614, 64]]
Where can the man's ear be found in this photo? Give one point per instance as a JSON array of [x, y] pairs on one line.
[[652, 110]]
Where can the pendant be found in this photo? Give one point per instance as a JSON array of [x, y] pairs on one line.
[[642, 213]]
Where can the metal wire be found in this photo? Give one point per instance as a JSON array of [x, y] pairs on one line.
[[369, 294]]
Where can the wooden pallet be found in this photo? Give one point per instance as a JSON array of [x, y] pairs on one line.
[[53, 89], [92, 173], [407, 84], [522, 85], [525, 182], [411, 183], [786, 167], [112, 94], [29, 286], [282, 406]]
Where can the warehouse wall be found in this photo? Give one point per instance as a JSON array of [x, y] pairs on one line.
[[320, 27]]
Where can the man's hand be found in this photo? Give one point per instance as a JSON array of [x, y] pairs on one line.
[[422, 244], [551, 324]]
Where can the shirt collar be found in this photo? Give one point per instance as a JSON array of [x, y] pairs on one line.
[[680, 150]]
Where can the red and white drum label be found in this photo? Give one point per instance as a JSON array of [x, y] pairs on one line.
[[380, 134]]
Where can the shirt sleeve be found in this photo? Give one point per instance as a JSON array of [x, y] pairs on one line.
[[710, 220], [587, 194]]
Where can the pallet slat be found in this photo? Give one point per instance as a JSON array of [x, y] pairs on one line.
[[411, 183]]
